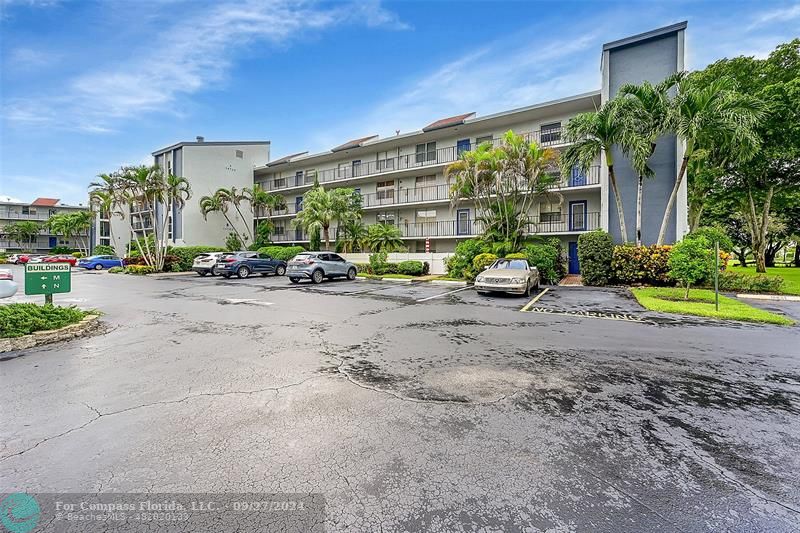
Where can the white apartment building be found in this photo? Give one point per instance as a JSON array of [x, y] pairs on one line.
[[401, 178], [208, 165], [39, 211]]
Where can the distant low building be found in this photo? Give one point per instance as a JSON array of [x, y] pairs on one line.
[[39, 211]]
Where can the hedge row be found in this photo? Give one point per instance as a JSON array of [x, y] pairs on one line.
[[283, 253], [18, 319], [379, 265], [472, 255]]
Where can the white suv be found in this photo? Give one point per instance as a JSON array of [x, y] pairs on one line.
[[206, 263]]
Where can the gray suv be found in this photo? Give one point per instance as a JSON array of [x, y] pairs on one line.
[[317, 266]]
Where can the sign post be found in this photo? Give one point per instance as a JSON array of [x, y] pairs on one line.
[[48, 279]]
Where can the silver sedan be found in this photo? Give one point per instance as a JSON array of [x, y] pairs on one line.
[[513, 276]]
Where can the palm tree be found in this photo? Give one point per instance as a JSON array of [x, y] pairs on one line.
[[383, 238], [216, 204], [648, 118], [704, 115], [317, 214], [235, 197], [592, 135], [351, 236], [22, 232], [260, 199]]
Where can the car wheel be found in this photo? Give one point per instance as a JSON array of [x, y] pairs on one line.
[[214, 271], [98, 267], [294, 280], [317, 276], [280, 270], [351, 274], [202, 273], [243, 272], [527, 290]]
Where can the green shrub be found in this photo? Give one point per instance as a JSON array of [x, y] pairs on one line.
[[364, 267], [595, 252], [411, 268], [18, 319], [640, 264], [547, 259], [116, 270], [516, 256], [139, 270], [481, 261], [426, 268], [78, 255], [185, 254], [691, 262], [61, 250], [736, 281], [378, 263], [503, 248], [233, 243], [282, 253], [104, 249], [712, 234], [459, 265]]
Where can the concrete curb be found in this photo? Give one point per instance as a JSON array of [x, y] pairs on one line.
[[418, 281], [773, 297], [170, 274], [39, 338], [448, 282]]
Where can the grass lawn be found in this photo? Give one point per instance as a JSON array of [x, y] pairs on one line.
[[790, 275], [701, 303]]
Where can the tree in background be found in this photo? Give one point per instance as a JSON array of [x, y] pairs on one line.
[[218, 203], [23, 233], [762, 187], [383, 238], [232, 196], [504, 183], [322, 207], [592, 136], [351, 236], [73, 225]]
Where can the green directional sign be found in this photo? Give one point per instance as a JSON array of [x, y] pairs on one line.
[[47, 278]]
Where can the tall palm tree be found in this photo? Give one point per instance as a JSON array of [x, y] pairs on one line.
[[704, 115], [319, 211], [235, 197], [592, 135], [215, 204], [648, 118], [383, 238]]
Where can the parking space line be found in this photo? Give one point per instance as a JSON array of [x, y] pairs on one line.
[[443, 294], [535, 299]]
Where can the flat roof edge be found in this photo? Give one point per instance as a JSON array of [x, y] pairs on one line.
[[646, 36], [541, 105], [209, 143]]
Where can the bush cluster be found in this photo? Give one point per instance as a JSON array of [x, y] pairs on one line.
[[640, 264], [547, 257], [139, 270], [411, 268], [104, 249], [459, 265], [77, 255], [61, 250], [481, 261], [20, 319], [116, 270], [735, 281], [282, 253], [691, 262], [595, 253]]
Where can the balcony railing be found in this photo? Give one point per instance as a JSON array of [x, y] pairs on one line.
[[432, 193], [24, 216], [439, 156]]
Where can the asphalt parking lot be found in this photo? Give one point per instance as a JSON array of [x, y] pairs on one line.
[[414, 407]]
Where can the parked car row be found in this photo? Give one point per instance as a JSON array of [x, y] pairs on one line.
[[315, 266]]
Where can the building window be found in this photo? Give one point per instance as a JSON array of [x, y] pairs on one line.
[[239, 154], [549, 212], [426, 216], [551, 133], [342, 170], [105, 229], [426, 152], [484, 139], [27, 210], [279, 183], [386, 217], [279, 230], [384, 190], [424, 181], [385, 162]]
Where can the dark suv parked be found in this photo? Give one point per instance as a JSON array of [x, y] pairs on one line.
[[242, 264]]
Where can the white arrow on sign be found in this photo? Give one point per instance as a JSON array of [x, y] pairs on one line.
[[44, 286]]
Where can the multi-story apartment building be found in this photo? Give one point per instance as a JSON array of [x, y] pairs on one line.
[[208, 165], [39, 211], [402, 178]]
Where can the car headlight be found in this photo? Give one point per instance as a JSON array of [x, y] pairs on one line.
[[517, 280], [479, 278]]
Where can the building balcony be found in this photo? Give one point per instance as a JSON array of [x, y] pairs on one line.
[[10, 215], [433, 158], [550, 224], [438, 193]]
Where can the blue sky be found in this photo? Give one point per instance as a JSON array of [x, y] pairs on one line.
[[89, 86]]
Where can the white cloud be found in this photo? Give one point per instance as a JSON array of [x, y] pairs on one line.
[[782, 14], [185, 59]]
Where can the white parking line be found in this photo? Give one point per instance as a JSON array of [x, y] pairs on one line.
[[246, 301], [535, 299], [443, 294]]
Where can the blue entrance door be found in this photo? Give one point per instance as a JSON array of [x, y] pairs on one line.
[[53, 241], [462, 146], [298, 204], [574, 265], [578, 178]]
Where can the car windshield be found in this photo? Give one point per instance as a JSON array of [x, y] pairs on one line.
[[302, 257], [513, 264]]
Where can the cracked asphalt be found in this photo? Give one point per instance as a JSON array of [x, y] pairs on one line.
[[457, 413]]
